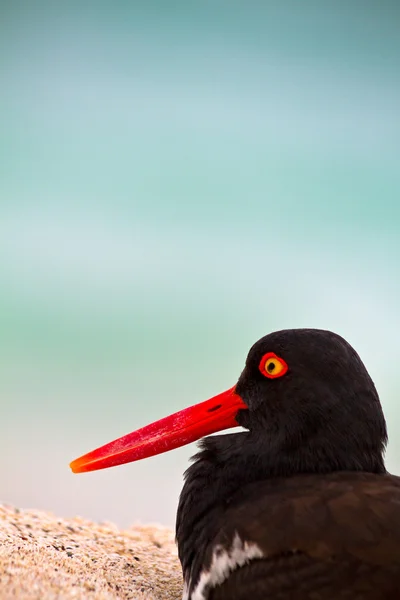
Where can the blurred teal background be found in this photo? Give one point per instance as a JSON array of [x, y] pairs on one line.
[[177, 180]]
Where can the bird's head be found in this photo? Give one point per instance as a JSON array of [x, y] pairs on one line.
[[310, 396], [304, 394]]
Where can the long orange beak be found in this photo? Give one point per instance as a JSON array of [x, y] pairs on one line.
[[188, 425]]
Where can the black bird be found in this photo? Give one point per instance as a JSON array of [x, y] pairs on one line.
[[299, 506]]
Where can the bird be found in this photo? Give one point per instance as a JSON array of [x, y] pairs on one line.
[[298, 505]]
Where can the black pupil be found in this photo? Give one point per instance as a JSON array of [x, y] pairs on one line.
[[271, 367]]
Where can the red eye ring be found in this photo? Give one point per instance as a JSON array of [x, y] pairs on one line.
[[272, 366]]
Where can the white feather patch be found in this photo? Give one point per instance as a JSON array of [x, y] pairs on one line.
[[224, 561]]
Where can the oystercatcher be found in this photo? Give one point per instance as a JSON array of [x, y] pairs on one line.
[[299, 506]]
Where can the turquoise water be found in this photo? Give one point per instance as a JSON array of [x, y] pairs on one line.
[[178, 180]]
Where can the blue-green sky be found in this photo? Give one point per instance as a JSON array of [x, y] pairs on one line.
[[177, 180]]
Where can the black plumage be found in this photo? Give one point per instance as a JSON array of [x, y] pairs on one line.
[[305, 486]]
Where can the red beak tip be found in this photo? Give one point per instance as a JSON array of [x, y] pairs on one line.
[[78, 466], [74, 467]]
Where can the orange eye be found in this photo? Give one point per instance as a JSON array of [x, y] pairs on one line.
[[272, 366]]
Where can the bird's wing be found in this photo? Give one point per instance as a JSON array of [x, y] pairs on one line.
[[308, 530]]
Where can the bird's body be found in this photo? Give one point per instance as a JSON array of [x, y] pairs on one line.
[[304, 537], [299, 506]]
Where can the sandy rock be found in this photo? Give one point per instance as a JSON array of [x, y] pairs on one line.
[[45, 558]]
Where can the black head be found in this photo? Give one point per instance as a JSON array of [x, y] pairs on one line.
[[323, 412]]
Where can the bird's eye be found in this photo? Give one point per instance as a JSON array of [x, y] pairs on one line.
[[272, 366]]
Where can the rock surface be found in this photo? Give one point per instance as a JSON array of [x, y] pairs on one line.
[[45, 558]]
